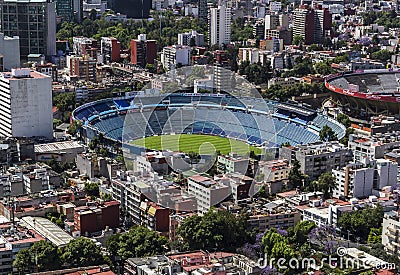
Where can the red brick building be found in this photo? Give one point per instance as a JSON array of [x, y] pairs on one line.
[[95, 217], [143, 51]]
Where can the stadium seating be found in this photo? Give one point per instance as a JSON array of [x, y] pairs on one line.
[[254, 128]]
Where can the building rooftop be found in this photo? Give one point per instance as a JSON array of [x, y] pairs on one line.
[[57, 146], [49, 230]]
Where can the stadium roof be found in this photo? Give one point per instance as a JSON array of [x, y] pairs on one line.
[[297, 109]]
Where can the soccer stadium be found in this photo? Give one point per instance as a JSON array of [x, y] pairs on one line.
[[366, 93], [253, 121]]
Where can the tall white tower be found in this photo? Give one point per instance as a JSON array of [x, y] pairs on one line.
[[25, 104], [219, 25]]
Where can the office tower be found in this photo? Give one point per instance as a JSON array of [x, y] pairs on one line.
[[26, 104], [303, 24], [65, 10], [314, 25], [203, 12], [271, 21], [219, 25], [9, 48], [143, 51], [78, 10], [322, 25], [259, 29], [110, 49], [34, 21], [132, 8]]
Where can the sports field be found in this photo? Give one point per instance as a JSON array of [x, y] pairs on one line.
[[202, 144]]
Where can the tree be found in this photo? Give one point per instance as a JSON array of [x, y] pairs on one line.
[[301, 232], [344, 119], [326, 182], [298, 40], [93, 14], [327, 134], [24, 261], [375, 235], [47, 255], [82, 252], [323, 68], [92, 189], [255, 72], [214, 230], [151, 68], [359, 223], [64, 102], [74, 127], [138, 242], [44, 253], [382, 55], [295, 177]]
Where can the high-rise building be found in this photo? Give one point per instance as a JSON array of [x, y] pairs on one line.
[[203, 13], [9, 48], [132, 8], [271, 21], [78, 10], [219, 25], [110, 49], [26, 104], [143, 51], [303, 24], [313, 25], [65, 10], [190, 38], [259, 29], [34, 21], [322, 25]]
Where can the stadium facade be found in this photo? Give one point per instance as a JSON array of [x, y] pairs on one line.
[[366, 93]]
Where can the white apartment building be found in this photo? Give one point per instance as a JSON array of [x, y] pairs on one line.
[[233, 164], [386, 173], [9, 48], [275, 6], [207, 192], [353, 181], [36, 181], [185, 38], [219, 25], [374, 147], [26, 104], [174, 55], [391, 233]]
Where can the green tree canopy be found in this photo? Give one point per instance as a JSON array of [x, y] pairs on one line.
[[92, 189], [45, 253], [214, 230], [325, 183], [327, 134], [361, 222], [295, 177], [139, 241], [82, 252]]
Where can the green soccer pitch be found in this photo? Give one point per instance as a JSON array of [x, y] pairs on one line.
[[202, 144]]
